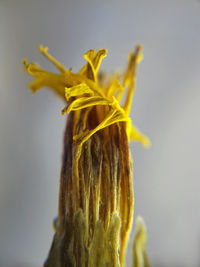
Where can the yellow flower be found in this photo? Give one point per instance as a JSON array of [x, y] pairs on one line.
[[82, 90], [96, 198]]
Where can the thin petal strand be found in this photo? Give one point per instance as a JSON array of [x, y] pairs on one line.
[[44, 51], [130, 76], [85, 102], [135, 135], [78, 90]]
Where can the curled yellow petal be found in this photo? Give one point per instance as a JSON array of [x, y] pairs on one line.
[[43, 78], [78, 90], [85, 102], [112, 117], [94, 61]]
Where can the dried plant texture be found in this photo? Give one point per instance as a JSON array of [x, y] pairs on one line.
[[96, 199]]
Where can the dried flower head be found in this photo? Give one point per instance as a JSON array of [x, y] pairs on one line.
[[96, 199]]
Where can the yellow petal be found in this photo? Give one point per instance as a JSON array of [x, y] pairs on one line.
[[135, 135], [94, 61], [114, 87], [84, 102], [78, 90], [44, 51], [112, 117], [43, 78], [129, 77]]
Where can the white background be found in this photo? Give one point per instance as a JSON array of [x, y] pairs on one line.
[[166, 107]]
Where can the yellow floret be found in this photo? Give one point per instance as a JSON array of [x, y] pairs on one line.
[[82, 90]]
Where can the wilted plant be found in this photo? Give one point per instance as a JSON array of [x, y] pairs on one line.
[[96, 198]]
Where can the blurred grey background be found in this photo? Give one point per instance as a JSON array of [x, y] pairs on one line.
[[166, 107]]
